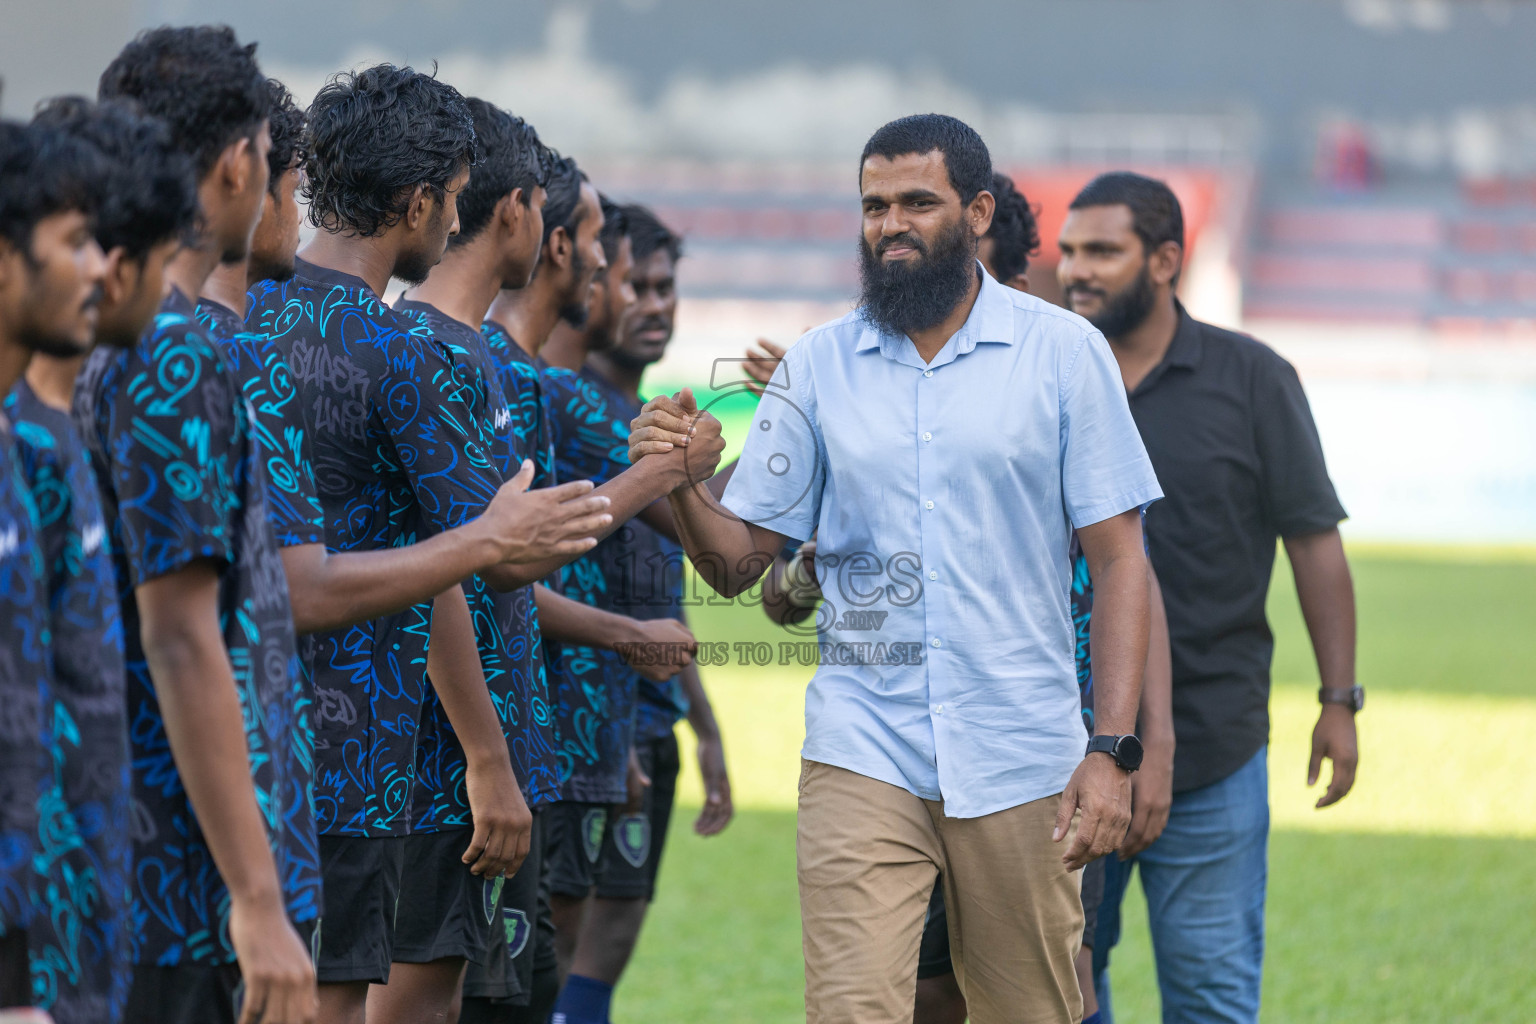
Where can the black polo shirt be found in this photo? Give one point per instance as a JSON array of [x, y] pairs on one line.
[[1229, 431]]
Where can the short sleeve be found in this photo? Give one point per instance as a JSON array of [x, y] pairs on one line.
[[179, 442], [1298, 494], [1104, 466], [293, 505], [437, 436], [779, 480]]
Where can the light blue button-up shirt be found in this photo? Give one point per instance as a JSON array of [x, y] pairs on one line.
[[943, 496]]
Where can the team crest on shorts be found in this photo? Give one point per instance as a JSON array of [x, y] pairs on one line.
[[490, 893], [632, 835], [592, 826], [518, 930]]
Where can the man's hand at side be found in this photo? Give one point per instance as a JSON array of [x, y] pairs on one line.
[[1101, 789]]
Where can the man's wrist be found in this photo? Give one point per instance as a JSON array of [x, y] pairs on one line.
[[1352, 698], [476, 538]]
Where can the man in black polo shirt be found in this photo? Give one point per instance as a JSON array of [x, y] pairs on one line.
[[1231, 436]]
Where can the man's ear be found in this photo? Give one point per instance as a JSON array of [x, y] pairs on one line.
[[10, 260], [980, 212], [510, 212], [122, 277], [1167, 259], [235, 164], [559, 248], [417, 210]]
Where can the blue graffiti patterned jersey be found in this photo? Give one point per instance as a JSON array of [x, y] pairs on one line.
[[79, 937], [259, 366], [1081, 596], [520, 378], [24, 642], [595, 690], [388, 428], [180, 475], [651, 587], [506, 623]]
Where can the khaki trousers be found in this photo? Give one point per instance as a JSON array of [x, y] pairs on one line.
[[868, 853]]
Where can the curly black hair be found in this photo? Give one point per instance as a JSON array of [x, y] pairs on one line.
[[44, 171], [965, 156], [148, 193], [199, 80], [374, 136], [287, 126], [562, 195], [1014, 232], [511, 157], [615, 227], [647, 234]]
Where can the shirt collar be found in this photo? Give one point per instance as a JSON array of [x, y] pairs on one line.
[[990, 322], [1187, 347]]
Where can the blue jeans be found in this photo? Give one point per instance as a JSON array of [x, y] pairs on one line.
[[1204, 879]]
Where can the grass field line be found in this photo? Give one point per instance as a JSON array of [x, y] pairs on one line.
[[1432, 764]]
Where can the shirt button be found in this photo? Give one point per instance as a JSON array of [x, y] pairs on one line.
[[938, 709], [927, 373], [927, 436], [935, 641], [927, 504], [933, 574]]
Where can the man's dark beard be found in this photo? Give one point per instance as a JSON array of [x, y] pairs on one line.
[[576, 311], [914, 295], [1127, 309]]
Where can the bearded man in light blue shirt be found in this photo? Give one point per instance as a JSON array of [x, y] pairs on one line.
[[942, 442]]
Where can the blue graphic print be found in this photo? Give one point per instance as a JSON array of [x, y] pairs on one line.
[[79, 937], [506, 623], [396, 460], [1081, 596], [521, 382], [259, 366], [24, 642], [653, 575], [181, 478], [595, 691]]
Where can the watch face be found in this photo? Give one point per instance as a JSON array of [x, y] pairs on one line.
[[1128, 752]]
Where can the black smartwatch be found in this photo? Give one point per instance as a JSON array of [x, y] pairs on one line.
[[1352, 697], [1126, 750]]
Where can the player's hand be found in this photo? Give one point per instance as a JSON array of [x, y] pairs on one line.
[[760, 363], [278, 974], [1101, 789], [551, 522], [662, 426], [717, 810], [658, 648], [636, 782], [1151, 799], [503, 823], [1334, 738]]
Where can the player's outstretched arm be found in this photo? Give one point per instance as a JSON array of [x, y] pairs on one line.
[[728, 552], [501, 817], [334, 590], [791, 590], [656, 648], [204, 726]]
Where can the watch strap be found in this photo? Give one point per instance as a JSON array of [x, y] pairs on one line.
[[1352, 697]]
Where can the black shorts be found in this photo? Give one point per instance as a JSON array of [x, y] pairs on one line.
[[362, 888], [525, 949], [631, 850], [184, 994], [933, 953], [576, 831], [445, 912]]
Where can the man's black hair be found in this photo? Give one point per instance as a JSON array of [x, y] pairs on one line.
[[965, 155], [615, 227], [287, 125], [511, 157], [44, 171], [1014, 232], [1156, 215], [647, 234], [562, 195], [148, 194], [199, 80], [374, 136]]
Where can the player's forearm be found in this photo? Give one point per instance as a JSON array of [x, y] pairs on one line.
[[1327, 596], [334, 590], [453, 666], [205, 729], [701, 714], [1155, 723], [581, 625], [658, 514], [1118, 641], [729, 553]]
